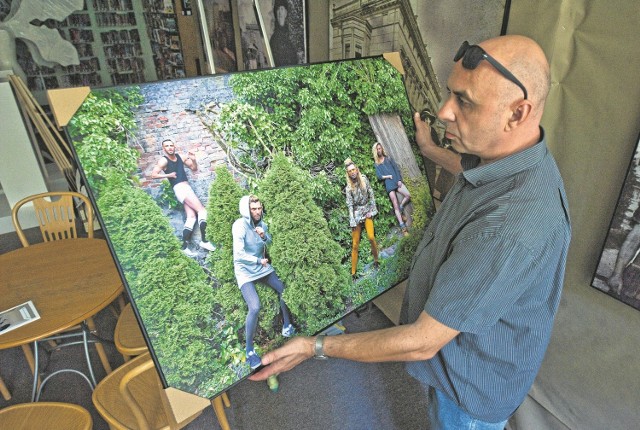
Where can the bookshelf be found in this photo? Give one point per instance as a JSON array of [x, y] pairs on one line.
[[162, 30], [118, 42]]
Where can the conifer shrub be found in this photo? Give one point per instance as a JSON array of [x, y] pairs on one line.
[[185, 335], [303, 251], [423, 211], [222, 211]]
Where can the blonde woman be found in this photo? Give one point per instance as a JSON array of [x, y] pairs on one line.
[[362, 209], [387, 171]]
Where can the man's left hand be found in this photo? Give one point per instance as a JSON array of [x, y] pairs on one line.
[[285, 358]]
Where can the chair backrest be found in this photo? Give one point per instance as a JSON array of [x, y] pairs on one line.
[[138, 400], [55, 212], [132, 397], [41, 415]]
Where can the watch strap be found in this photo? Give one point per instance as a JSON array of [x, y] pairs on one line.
[[319, 348]]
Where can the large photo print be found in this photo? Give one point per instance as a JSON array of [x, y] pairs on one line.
[[243, 209], [618, 272]]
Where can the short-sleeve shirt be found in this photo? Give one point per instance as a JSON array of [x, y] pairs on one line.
[[491, 265]]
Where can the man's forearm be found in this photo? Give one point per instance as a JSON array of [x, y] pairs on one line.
[[418, 341], [449, 160]]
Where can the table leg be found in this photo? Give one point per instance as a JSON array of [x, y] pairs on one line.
[[101, 353], [4, 390], [28, 354]]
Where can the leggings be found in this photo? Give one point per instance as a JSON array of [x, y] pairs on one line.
[[355, 243], [250, 295]]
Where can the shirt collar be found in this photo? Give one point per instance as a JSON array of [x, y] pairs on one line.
[[505, 167]]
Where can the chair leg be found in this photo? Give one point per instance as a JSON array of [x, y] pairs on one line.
[[101, 353], [218, 408], [117, 309], [28, 354], [4, 390]]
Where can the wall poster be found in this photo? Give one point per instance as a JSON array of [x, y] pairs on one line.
[[285, 27], [618, 272], [170, 165], [216, 19], [253, 34]]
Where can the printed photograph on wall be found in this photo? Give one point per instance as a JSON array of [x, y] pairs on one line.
[[244, 208], [618, 272], [218, 23], [284, 22], [253, 41]]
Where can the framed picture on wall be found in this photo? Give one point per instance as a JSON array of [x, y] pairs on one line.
[[618, 272], [285, 26], [255, 53], [216, 21]]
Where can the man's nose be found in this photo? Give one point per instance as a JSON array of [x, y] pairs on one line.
[[445, 113]]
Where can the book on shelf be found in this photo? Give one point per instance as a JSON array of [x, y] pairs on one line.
[[18, 316]]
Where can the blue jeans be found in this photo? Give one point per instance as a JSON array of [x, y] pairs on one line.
[[445, 414]]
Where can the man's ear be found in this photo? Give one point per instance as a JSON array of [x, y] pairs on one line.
[[519, 114]]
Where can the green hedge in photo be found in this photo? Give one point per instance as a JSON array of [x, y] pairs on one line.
[[184, 333], [303, 251]]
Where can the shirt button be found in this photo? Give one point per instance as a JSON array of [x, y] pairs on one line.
[[479, 184]]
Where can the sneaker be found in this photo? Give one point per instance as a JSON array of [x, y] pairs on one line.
[[207, 246], [405, 232], [190, 253], [288, 331], [253, 359]]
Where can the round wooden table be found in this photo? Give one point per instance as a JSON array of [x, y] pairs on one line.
[[68, 281]]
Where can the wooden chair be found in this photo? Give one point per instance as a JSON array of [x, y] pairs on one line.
[[45, 415], [130, 342], [131, 397], [127, 336], [56, 215]]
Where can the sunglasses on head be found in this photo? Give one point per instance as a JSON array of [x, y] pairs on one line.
[[472, 55]]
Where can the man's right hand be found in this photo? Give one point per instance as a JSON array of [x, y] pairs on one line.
[[449, 160], [285, 358], [423, 136]]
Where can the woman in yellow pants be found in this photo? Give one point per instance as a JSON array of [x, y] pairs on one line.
[[362, 209]]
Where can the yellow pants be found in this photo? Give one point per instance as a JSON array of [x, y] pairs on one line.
[[355, 243]]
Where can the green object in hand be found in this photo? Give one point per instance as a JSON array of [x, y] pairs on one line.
[[272, 382]]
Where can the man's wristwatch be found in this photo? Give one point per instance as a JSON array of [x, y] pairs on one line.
[[319, 348]]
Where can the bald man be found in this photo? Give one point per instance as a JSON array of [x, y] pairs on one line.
[[486, 278]]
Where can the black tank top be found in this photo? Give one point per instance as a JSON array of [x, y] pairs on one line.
[[178, 167]]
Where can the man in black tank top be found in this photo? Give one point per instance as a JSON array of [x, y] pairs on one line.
[[171, 167]]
